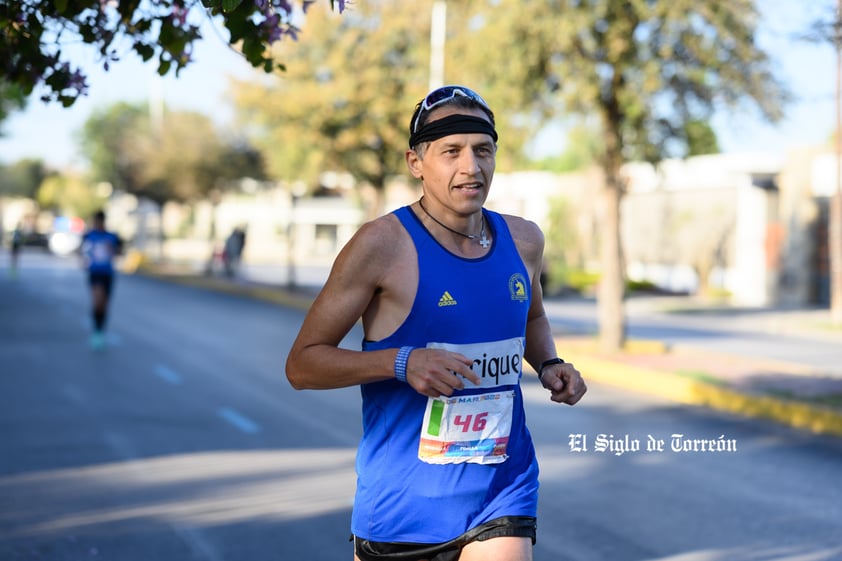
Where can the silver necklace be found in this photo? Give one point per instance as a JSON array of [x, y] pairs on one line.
[[484, 241]]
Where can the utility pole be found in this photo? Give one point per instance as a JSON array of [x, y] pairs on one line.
[[835, 214], [438, 32]]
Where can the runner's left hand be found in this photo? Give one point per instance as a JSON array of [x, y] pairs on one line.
[[564, 382]]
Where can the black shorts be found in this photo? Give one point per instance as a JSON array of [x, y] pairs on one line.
[[105, 280], [506, 526]]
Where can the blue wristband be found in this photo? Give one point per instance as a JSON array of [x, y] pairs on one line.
[[400, 363]]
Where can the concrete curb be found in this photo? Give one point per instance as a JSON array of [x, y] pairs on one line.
[[680, 389], [300, 301], [661, 383]]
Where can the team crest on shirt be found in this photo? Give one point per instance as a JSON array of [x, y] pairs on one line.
[[517, 287]]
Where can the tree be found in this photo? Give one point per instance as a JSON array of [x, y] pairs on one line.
[[563, 248], [69, 194], [701, 138], [11, 99], [344, 101], [22, 178], [643, 68], [182, 158], [106, 140], [580, 152], [34, 34]]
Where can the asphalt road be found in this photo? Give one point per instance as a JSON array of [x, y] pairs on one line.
[[183, 441]]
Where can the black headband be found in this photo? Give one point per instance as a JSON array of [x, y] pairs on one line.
[[452, 124]]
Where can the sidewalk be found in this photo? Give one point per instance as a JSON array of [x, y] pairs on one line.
[[776, 391], [783, 392]]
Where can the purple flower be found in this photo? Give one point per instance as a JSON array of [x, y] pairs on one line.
[[78, 82], [179, 15], [271, 26]]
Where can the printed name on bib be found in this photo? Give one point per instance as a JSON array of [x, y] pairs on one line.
[[497, 363]]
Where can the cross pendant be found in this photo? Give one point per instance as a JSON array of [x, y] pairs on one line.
[[484, 242]]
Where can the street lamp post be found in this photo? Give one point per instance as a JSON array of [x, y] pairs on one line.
[[438, 31], [835, 214]]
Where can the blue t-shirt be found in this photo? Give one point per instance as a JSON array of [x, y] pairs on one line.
[[430, 470], [99, 248]]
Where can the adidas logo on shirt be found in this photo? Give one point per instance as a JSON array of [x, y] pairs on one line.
[[446, 300]]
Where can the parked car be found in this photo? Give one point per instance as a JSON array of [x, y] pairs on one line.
[[32, 238]]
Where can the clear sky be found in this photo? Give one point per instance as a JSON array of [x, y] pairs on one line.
[[48, 131]]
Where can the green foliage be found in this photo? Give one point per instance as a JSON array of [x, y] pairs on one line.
[[581, 280], [22, 178], [69, 195], [181, 157], [649, 71], [561, 246], [581, 152], [11, 99], [641, 286], [641, 68], [345, 99], [701, 139], [562, 277], [34, 33]]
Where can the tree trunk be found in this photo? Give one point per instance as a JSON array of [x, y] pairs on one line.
[[612, 321], [611, 284]]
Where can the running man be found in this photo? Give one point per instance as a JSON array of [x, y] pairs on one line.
[[99, 248], [450, 299]]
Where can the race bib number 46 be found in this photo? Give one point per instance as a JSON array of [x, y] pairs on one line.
[[467, 428]]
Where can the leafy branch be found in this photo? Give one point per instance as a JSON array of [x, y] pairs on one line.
[[34, 35]]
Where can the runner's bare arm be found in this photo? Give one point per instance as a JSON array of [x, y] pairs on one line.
[[315, 360], [360, 272], [563, 380]]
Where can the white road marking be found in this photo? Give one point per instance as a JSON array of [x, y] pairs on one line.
[[168, 375], [241, 422]]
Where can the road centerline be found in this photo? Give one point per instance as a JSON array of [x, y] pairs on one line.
[[238, 420], [168, 375]]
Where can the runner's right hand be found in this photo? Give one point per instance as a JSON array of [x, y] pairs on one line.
[[437, 372]]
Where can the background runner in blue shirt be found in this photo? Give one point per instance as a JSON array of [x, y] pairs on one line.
[[99, 248]]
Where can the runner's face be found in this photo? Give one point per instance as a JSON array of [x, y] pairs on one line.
[[457, 168]]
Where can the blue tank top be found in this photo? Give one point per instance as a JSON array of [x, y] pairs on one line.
[[477, 307]]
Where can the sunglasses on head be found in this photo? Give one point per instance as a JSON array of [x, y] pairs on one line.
[[443, 95]]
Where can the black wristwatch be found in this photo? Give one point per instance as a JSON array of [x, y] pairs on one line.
[[547, 363]]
